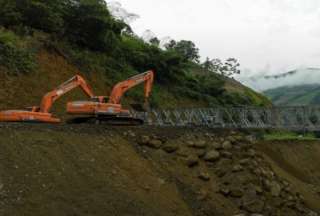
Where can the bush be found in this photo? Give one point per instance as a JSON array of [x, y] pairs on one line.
[[8, 37], [15, 58]]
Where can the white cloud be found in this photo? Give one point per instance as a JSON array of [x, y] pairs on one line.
[[284, 34]]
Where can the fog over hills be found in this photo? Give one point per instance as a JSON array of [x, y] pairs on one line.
[[302, 76]]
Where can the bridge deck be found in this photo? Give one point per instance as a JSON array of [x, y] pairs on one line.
[[291, 118]]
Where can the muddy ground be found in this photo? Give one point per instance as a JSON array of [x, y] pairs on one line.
[[77, 170]]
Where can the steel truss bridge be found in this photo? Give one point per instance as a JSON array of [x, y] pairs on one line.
[[290, 118]]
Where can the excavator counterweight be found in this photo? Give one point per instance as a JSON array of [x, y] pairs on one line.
[[42, 113]]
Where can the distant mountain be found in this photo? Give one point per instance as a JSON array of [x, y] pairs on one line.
[[295, 95], [302, 76]]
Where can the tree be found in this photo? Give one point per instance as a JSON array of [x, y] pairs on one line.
[[10, 16], [155, 41], [188, 50], [231, 67], [90, 24], [228, 68], [171, 44], [207, 64], [86, 23]]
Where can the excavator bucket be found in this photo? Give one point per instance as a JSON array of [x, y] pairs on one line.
[[27, 116]]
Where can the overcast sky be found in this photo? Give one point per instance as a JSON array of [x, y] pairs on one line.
[[275, 35]]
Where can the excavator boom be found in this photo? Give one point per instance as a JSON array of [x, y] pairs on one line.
[[121, 88], [42, 113], [74, 82]]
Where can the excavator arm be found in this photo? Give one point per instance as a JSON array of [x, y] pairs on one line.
[[74, 82], [121, 88]]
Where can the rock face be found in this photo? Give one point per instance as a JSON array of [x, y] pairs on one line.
[[212, 156]]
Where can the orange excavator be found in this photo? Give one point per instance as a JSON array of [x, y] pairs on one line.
[[42, 114], [109, 109]]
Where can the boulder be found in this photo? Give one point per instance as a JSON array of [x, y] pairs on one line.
[[200, 144], [192, 160], [224, 190], [155, 143], [232, 139], [251, 152], [144, 140], [237, 168], [170, 148], [200, 152], [190, 143], [226, 154], [251, 202], [275, 188], [183, 152], [131, 133], [244, 162], [212, 156], [205, 176], [226, 145], [216, 145], [236, 192]]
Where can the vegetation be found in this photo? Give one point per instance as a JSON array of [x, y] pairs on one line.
[[295, 95], [228, 68], [86, 34], [14, 56], [286, 135]]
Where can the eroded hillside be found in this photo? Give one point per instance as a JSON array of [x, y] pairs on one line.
[[98, 170]]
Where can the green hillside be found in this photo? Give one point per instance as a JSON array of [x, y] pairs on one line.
[[295, 95], [43, 43]]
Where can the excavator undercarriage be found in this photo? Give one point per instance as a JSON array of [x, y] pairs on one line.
[[27, 116]]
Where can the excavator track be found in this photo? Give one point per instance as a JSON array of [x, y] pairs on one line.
[[113, 121]]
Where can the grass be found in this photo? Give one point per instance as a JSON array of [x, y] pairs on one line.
[[286, 135]]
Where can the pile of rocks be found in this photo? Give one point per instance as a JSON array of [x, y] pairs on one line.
[[244, 176]]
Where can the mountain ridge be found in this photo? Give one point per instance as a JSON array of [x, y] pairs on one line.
[[298, 95]]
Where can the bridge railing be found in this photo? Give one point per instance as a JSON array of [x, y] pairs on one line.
[[292, 118]]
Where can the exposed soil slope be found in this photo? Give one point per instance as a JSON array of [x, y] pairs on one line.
[[297, 161], [98, 170]]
